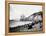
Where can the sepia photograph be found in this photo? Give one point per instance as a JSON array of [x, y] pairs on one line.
[[25, 18]]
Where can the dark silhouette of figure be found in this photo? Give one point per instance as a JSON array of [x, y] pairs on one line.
[[30, 26]]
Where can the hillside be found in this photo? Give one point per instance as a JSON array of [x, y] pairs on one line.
[[36, 24]]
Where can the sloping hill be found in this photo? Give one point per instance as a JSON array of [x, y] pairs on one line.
[[35, 25]]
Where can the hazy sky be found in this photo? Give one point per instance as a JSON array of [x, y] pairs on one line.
[[17, 10]]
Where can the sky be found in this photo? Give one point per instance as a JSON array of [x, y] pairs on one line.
[[16, 10]]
